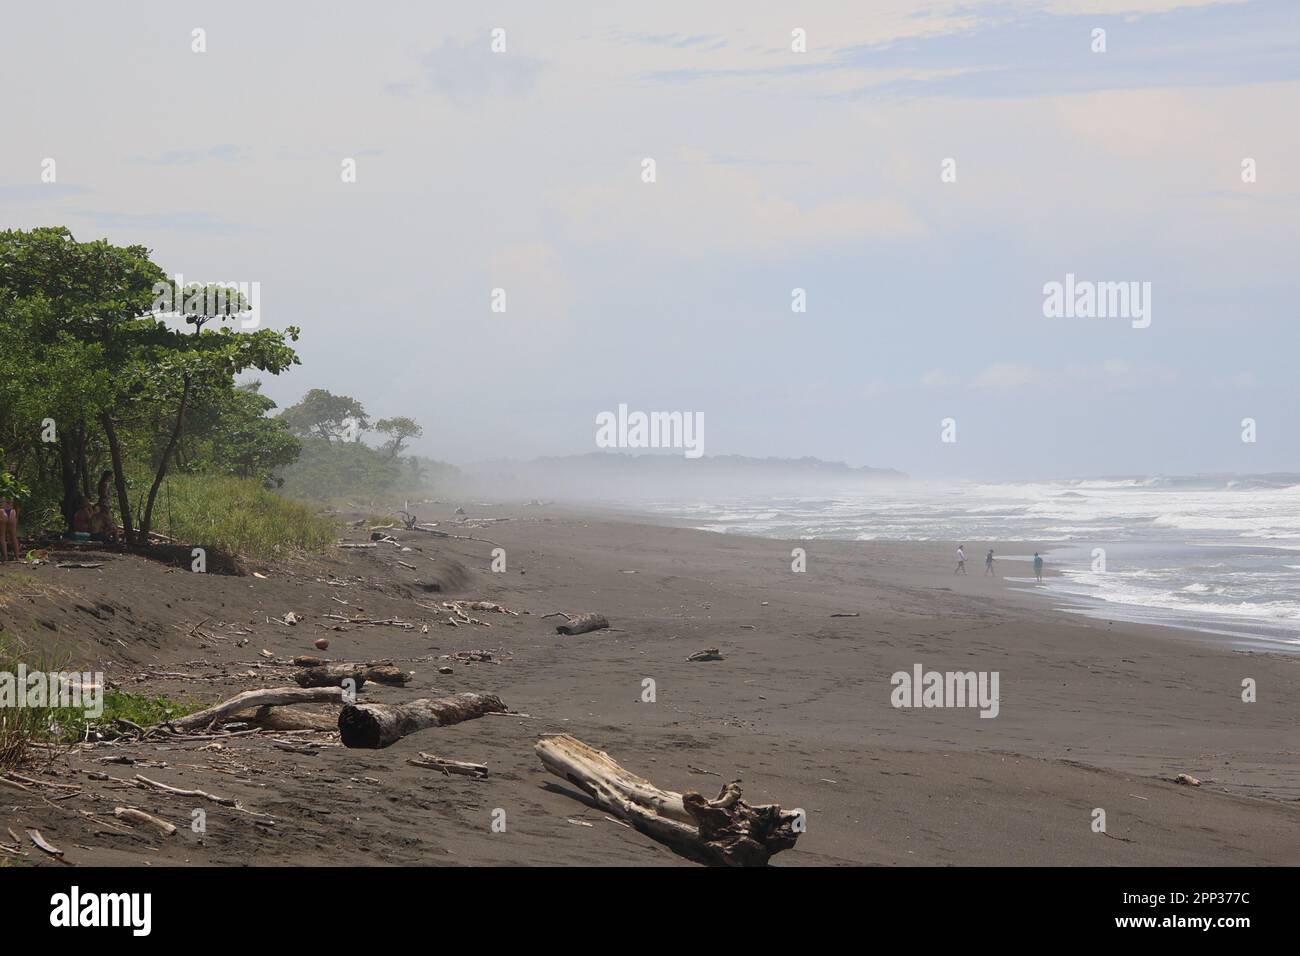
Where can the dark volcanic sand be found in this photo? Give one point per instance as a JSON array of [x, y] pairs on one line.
[[1091, 715]]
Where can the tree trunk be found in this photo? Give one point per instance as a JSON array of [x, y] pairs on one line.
[[146, 523], [373, 726], [119, 476], [68, 474], [726, 831]]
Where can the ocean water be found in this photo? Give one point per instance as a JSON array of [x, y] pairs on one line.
[[1219, 554]]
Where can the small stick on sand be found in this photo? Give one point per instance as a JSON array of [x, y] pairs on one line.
[[434, 762], [143, 781], [132, 815]]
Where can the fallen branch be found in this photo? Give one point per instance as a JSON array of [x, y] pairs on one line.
[[726, 831], [271, 696], [377, 725]]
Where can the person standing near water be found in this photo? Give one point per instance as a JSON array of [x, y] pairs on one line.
[[988, 563], [961, 559], [1038, 567]]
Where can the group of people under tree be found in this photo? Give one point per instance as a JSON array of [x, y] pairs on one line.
[[88, 522]]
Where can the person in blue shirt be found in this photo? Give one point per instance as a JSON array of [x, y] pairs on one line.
[[1038, 567]]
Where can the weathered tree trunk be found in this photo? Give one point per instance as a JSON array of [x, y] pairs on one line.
[[119, 474], [582, 624], [374, 726], [332, 675], [270, 697], [726, 831]]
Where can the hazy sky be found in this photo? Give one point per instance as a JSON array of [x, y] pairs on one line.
[[776, 170]]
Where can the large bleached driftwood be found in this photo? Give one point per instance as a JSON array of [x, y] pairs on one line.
[[379, 725], [267, 697], [726, 831]]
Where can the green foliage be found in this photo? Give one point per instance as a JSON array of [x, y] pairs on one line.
[[330, 417], [330, 471], [68, 725], [229, 433]]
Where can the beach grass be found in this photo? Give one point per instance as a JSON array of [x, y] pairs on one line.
[[239, 516]]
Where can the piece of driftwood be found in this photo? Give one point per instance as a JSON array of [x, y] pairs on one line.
[[353, 547], [288, 718], [271, 696], [582, 624], [377, 725], [333, 675], [708, 654], [139, 817], [434, 762], [37, 838], [726, 831]]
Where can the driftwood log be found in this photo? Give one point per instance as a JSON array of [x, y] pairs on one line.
[[582, 624], [377, 725], [267, 697], [333, 675], [726, 831]]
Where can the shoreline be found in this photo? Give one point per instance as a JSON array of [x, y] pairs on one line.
[[1215, 628]]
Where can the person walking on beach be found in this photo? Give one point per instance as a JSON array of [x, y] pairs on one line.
[[988, 563], [961, 559], [1038, 567]]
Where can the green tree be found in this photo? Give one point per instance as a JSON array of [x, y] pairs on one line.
[[399, 430], [335, 418]]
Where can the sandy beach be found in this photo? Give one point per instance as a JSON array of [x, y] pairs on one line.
[[1090, 714]]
